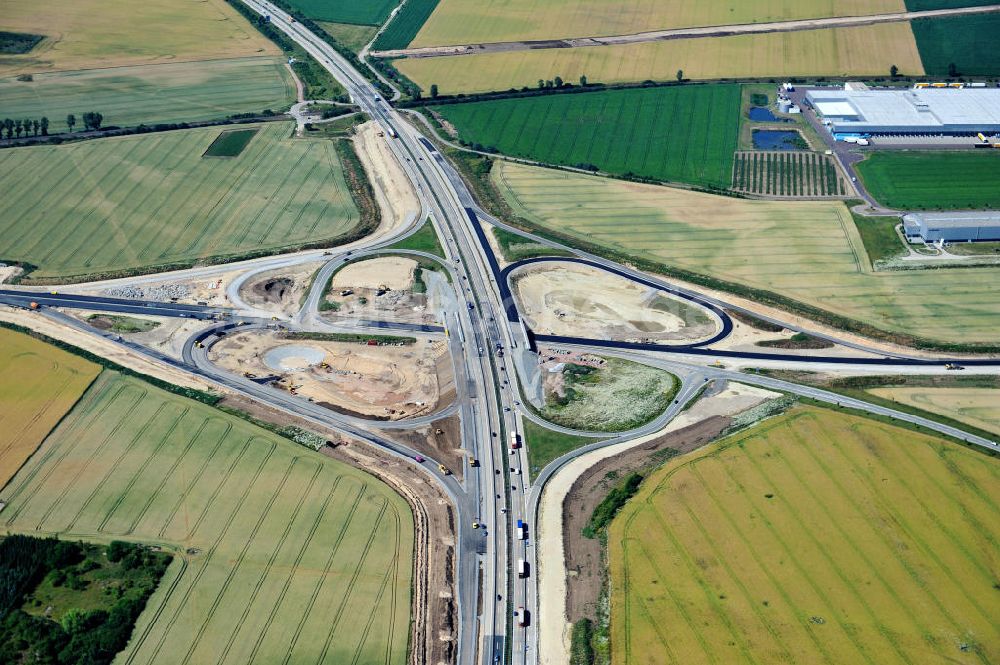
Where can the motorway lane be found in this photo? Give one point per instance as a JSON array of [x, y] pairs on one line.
[[24, 298]]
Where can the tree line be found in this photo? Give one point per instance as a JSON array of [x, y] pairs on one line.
[[16, 128]]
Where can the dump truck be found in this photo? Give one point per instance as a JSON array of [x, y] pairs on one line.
[[33, 305], [443, 469]]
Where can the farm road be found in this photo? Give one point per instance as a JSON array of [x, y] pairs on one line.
[[682, 33]]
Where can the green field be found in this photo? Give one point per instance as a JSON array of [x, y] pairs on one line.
[[924, 5], [230, 143], [408, 22], [933, 180], [281, 554], [545, 445], [685, 134], [815, 537], [358, 12], [970, 42], [352, 36], [806, 252], [787, 173], [132, 203], [149, 94], [18, 42]]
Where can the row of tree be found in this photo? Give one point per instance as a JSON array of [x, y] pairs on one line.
[[10, 128], [26, 127]]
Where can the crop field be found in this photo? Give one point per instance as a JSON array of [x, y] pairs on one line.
[[469, 21], [83, 34], [352, 36], [859, 51], [150, 94], [230, 142], [134, 202], [808, 251], [793, 174], [815, 537], [406, 25], [933, 180], [284, 555], [41, 383], [684, 134], [923, 5], [972, 406], [358, 12], [967, 41]]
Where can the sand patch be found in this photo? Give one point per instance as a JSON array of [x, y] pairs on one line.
[[575, 300], [394, 272], [382, 382]]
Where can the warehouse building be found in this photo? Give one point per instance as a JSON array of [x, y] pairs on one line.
[[856, 109], [932, 227]]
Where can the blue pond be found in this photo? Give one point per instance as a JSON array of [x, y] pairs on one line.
[[771, 139], [761, 114]]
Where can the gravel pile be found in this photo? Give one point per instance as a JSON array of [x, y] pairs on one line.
[[160, 292]]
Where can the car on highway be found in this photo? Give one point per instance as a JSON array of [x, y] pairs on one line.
[[418, 459]]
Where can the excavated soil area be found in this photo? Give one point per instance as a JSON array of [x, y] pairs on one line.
[[380, 382], [583, 555], [559, 298], [441, 440]]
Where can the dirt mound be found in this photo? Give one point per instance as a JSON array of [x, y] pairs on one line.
[[273, 290]]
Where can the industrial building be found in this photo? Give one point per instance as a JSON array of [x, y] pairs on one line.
[[857, 109], [932, 227]]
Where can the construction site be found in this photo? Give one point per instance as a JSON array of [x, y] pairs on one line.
[[562, 298], [392, 288], [380, 378]]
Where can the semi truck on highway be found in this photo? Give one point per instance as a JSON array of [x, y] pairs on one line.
[[522, 568], [522, 530], [515, 441], [523, 620], [392, 132]]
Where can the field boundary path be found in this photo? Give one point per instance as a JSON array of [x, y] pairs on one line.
[[681, 33]]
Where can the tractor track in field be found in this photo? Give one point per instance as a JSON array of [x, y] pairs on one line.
[[669, 34]]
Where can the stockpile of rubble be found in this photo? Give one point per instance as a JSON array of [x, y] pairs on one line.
[[158, 292]]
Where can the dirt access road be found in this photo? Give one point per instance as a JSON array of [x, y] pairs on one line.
[[681, 33]]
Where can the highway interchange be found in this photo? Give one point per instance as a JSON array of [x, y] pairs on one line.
[[485, 319]]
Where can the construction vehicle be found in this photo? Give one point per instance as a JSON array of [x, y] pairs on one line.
[[347, 292], [982, 137], [473, 462], [438, 431], [443, 469], [33, 305], [718, 363], [199, 345], [953, 366], [475, 525]]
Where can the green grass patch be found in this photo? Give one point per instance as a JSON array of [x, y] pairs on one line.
[[516, 247], [611, 504], [545, 445], [682, 133], [358, 12], [617, 396], [880, 237], [169, 207], [933, 180], [424, 239], [352, 36], [16, 43], [230, 143], [359, 338], [150, 94], [121, 324], [71, 602], [581, 651], [967, 42], [401, 31]]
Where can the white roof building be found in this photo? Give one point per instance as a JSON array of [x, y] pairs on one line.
[[912, 111]]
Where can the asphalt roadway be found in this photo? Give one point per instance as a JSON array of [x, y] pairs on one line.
[[485, 321]]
